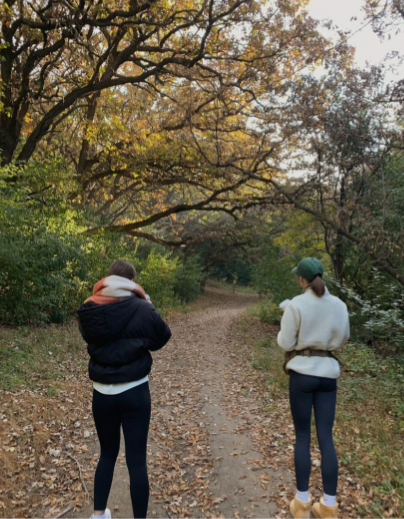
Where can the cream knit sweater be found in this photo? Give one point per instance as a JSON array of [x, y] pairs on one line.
[[320, 323]]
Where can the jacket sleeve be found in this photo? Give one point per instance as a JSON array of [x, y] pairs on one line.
[[345, 328], [161, 333], [290, 325]]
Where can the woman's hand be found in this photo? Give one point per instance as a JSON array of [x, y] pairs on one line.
[[284, 304]]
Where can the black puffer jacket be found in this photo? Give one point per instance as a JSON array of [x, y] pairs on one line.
[[119, 338]]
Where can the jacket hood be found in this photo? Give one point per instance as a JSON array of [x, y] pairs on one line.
[[103, 322]]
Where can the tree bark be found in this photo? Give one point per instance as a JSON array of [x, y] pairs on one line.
[[92, 108]]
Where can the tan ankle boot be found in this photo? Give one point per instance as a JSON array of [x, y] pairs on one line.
[[323, 511], [299, 510]]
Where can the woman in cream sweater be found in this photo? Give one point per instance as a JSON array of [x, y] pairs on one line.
[[314, 324]]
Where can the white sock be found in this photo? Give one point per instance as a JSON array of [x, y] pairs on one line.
[[103, 516], [303, 497], [329, 500]]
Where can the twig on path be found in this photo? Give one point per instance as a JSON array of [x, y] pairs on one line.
[[81, 476], [63, 512]]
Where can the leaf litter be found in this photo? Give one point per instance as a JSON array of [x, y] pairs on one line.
[[48, 448]]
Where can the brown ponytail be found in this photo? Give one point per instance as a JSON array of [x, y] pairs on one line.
[[318, 286]]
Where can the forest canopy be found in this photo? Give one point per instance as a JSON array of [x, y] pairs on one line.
[[202, 127]]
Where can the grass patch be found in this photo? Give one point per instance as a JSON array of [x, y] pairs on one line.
[[216, 283], [29, 355], [251, 311], [369, 427], [201, 303]]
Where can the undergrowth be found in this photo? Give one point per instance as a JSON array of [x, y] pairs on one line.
[[30, 355], [241, 289]]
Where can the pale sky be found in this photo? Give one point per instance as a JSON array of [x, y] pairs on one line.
[[367, 43]]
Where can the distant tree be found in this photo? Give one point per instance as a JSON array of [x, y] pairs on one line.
[[350, 138]]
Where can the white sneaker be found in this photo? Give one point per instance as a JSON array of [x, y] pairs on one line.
[[107, 515]]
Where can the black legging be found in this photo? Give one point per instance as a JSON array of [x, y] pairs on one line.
[[305, 392], [131, 409]]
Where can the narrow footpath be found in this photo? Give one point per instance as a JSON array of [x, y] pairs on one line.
[[208, 454]]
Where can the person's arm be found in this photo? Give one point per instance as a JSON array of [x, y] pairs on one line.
[[345, 330], [290, 325], [161, 333]]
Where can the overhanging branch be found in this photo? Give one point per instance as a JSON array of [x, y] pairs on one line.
[[380, 261]]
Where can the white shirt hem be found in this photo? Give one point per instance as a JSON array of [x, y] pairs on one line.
[[115, 389]]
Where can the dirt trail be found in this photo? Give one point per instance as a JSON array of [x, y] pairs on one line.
[[206, 458]]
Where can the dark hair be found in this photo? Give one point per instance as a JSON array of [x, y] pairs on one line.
[[122, 268], [317, 285]]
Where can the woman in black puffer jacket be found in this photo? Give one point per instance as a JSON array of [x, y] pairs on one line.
[[121, 327]]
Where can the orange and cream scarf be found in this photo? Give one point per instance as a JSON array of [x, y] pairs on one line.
[[113, 288]]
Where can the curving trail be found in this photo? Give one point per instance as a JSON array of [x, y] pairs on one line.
[[209, 450]]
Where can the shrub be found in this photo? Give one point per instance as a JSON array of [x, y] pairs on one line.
[[157, 274], [48, 264], [188, 279], [42, 277], [272, 274], [270, 313], [377, 317]]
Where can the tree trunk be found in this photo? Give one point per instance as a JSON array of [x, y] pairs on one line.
[[85, 147], [338, 259], [338, 256]]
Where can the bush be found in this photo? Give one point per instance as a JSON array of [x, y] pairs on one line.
[[272, 274], [377, 317], [270, 313], [170, 281], [46, 274], [158, 275], [188, 279], [42, 277], [48, 264]]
